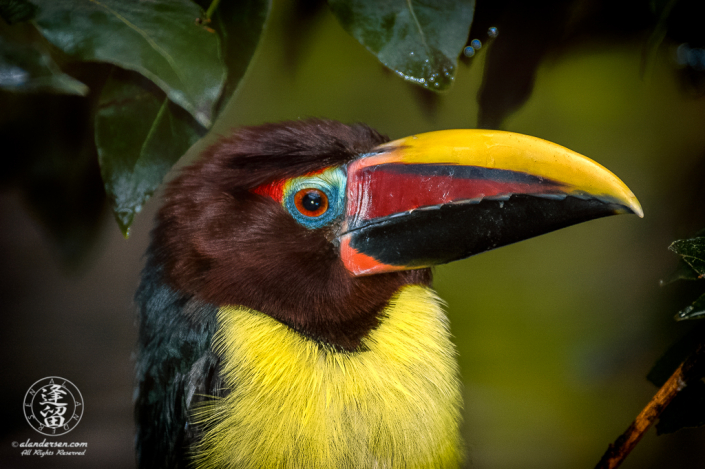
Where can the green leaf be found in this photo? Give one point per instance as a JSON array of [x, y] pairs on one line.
[[683, 272], [528, 33], [692, 251], [694, 311], [160, 39], [24, 68], [139, 134], [240, 25], [420, 41], [15, 11]]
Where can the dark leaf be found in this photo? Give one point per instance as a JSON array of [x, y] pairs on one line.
[[140, 134], [160, 39], [420, 41], [25, 68], [683, 272], [692, 251], [240, 25], [527, 32], [694, 311], [15, 11]]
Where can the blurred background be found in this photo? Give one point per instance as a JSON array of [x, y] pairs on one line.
[[555, 334]]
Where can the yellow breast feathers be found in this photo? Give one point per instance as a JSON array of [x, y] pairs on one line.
[[297, 404]]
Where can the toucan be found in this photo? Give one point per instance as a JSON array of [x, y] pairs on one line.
[[286, 314]]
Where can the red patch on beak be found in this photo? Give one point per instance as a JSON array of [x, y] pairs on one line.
[[383, 190], [358, 263]]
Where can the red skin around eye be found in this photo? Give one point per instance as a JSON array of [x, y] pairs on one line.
[[273, 190]]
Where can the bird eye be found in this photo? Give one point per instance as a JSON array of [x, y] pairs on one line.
[[311, 202], [316, 200]]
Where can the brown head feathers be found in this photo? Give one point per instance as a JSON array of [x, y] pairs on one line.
[[226, 245]]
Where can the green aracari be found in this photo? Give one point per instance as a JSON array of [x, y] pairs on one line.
[[286, 313]]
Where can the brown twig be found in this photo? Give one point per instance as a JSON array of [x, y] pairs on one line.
[[620, 449]]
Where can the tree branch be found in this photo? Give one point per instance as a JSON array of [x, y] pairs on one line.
[[620, 449]]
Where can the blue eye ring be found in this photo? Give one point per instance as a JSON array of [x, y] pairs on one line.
[[316, 201]]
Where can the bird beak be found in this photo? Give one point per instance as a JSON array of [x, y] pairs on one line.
[[441, 196]]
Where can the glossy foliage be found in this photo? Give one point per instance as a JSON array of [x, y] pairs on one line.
[[160, 40], [418, 40], [28, 69], [240, 25], [139, 134], [173, 71], [692, 253]]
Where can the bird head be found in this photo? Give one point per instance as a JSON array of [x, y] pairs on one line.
[[318, 224]]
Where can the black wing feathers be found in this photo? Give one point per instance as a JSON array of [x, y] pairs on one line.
[[175, 369]]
